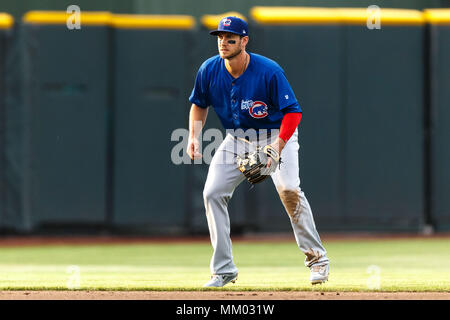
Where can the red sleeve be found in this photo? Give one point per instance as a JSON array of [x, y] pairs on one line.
[[289, 124]]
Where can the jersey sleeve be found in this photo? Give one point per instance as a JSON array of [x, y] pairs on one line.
[[282, 95], [199, 95]]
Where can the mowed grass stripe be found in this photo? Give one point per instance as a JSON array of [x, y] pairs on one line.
[[396, 265]]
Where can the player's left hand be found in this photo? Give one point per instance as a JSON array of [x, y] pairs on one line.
[[278, 145]]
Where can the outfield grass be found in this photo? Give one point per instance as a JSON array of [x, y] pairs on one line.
[[397, 265]]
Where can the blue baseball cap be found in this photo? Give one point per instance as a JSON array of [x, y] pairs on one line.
[[232, 24]]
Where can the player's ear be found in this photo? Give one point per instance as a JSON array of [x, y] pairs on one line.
[[245, 40]]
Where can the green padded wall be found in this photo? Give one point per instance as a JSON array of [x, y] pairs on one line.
[[152, 80], [440, 125], [384, 145], [5, 46], [65, 124]]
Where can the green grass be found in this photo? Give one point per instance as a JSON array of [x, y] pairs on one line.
[[403, 265]]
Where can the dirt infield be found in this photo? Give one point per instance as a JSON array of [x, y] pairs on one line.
[[225, 295]]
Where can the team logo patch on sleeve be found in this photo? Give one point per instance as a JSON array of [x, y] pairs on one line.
[[258, 110]]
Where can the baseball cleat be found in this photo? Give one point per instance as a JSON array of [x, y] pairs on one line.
[[219, 280], [319, 274]]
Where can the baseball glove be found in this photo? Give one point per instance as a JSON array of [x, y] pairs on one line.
[[253, 164]]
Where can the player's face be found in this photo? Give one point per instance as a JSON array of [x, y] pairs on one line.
[[229, 45]]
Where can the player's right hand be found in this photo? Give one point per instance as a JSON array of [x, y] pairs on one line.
[[193, 148]]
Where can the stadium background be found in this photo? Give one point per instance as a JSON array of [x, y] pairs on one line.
[[86, 118]]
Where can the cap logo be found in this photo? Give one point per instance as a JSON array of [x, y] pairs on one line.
[[226, 22]]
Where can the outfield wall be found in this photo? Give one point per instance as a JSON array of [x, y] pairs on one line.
[[88, 124], [6, 34], [439, 107]]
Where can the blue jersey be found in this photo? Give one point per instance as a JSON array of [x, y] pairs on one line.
[[258, 99]]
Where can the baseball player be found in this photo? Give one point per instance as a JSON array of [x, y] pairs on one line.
[[251, 97]]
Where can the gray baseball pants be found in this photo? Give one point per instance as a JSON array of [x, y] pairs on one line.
[[224, 177]]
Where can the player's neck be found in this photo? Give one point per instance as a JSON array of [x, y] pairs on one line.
[[238, 64]]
